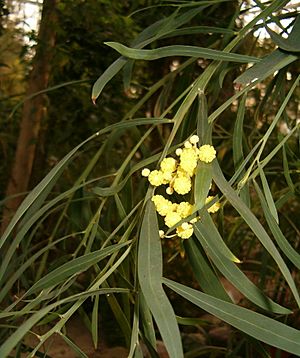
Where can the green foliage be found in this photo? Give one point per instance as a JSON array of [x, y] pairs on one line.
[[89, 228]]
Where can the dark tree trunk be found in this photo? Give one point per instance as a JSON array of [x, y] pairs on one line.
[[33, 113]]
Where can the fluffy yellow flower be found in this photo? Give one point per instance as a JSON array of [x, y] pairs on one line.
[[188, 160], [169, 190], [172, 218], [185, 230], [182, 184], [184, 209], [145, 172], [168, 176], [194, 139], [207, 153], [178, 151], [168, 165], [156, 178], [163, 206], [215, 207]]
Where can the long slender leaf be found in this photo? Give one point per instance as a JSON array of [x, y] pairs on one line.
[[266, 67], [74, 267], [150, 278], [13, 340], [207, 279], [268, 194], [179, 50], [255, 226], [291, 44], [254, 324], [285, 246], [234, 274]]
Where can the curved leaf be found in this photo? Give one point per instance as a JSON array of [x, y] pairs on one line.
[[74, 267], [234, 274], [203, 272], [255, 226], [266, 67], [291, 44], [179, 50], [256, 325], [150, 278]]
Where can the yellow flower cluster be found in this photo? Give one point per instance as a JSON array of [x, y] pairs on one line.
[[178, 174], [173, 213]]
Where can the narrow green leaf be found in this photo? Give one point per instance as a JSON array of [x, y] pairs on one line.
[[256, 325], [199, 30], [147, 321], [203, 127], [148, 35], [119, 314], [266, 67], [234, 274], [207, 279], [179, 50], [190, 321], [282, 242], [25, 327], [74, 267], [203, 179], [216, 239], [286, 170], [150, 278], [134, 341], [237, 147], [107, 75], [255, 226], [79, 352], [291, 44], [268, 194], [17, 273], [95, 322]]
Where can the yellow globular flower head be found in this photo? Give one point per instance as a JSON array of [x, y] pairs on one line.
[[178, 151], [188, 160], [156, 178], [145, 172], [184, 209], [182, 184], [177, 174], [163, 206], [172, 218], [194, 139], [168, 165], [169, 190], [215, 207], [207, 153], [185, 230], [167, 177]]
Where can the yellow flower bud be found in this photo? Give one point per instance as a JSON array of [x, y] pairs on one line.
[[156, 178], [185, 230], [145, 172], [194, 139], [184, 209], [207, 153], [163, 206], [182, 184], [215, 207], [168, 165], [188, 160], [172, 218]]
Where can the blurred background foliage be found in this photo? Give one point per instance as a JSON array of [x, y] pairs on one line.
[[79, 57]]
